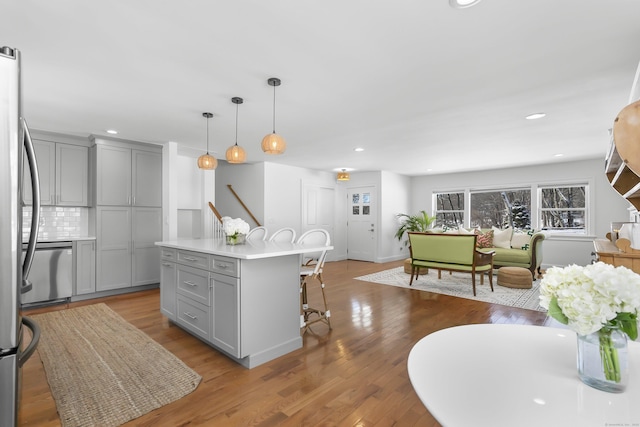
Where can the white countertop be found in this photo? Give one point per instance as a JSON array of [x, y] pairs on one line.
[[252, 249], [515, 375]]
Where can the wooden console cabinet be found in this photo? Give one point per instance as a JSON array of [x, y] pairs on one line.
[[618, 254]]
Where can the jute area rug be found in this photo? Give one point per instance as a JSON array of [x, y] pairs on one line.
[[103, 371], [459, 285]]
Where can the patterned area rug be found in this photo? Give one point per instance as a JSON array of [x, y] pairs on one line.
[[459, 285], [103, 371]]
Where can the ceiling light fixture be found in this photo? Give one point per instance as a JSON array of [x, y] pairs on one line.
[[274, 143], [463, 4], [358, 149], [343, 175], [112, 131], [235, 153], [535, 116], [207, 161]]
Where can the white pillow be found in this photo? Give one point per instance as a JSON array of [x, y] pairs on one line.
[[520, 239], [502, 238], [462, 230]]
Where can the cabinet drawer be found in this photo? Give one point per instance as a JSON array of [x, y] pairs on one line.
[[194, 317], [194, 259], [168, 254], [193, 283], [226, 266]]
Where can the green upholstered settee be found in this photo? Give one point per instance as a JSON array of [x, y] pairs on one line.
[[512, 249], [451, 253], [527, 255]]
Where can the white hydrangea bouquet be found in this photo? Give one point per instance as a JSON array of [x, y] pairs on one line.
[[597, 298], [235, 229]]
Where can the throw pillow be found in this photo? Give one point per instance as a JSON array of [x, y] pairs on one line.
[[502, 238], [521, 239], [462, 230], [484, 240]]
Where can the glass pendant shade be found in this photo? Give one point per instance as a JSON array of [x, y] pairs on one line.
[[207, 161], [273, 144], [236, 154], [343, 176]]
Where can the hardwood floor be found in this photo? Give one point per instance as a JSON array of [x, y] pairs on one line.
[[353, 375]]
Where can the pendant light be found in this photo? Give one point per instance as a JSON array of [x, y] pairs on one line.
[[207, 161], [344, 175], [235, 153], [274, 143]]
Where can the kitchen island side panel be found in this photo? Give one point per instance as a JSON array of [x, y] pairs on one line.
[[269, 307]]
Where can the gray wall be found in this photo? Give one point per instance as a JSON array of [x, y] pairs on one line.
[[606, 204]]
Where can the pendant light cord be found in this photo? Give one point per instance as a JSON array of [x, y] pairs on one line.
[[274, 108], [237, 124], [207, 135]]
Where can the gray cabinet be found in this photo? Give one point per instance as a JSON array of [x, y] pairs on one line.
[[126, 253], [128, 177], [128, 198], [84, 267], [168, 283], [206, 302], [113, 234], [64, 174]]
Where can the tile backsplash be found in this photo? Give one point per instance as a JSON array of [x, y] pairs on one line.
[[57, 221]]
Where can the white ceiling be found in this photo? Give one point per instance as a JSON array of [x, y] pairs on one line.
[[422, 87]]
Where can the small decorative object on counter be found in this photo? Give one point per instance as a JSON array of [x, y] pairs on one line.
[[600, 303], [235, 230]]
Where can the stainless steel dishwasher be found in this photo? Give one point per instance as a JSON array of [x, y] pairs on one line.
[[51, 273]]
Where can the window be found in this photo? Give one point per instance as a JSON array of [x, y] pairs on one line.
[[449, 209], [563, 209], [501, 208]]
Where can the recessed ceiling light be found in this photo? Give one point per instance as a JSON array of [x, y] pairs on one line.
[[112, 132], [535, 116], [358, 149], [558, 155], [463, 4]]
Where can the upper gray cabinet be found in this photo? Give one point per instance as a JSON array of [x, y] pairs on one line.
[[63, 170], [128, 176]]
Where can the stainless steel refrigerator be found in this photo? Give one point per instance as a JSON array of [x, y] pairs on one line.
[[16, 152]]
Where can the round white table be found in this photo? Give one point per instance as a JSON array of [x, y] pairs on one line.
[[515, 375]]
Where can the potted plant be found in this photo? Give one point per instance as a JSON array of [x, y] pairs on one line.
[[420, 222]]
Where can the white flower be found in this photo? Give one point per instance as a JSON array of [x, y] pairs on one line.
[[234, 226], [590, 297]]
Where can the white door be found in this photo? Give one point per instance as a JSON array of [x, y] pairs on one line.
[[318, 209], [362, 224]]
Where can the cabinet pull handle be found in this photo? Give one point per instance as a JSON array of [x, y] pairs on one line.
[[134, 200], [186, 282], [222, 266], [168, 255], [188, 258], [190, 316], [166, 264]]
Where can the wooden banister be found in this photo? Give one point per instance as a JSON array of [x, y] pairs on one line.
[[215, 211], [243, 205]]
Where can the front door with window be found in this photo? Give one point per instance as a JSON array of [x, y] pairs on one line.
[[362, 224]]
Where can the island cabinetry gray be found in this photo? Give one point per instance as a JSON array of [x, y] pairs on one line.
[[168, 283], [84, 267], [242, 300]]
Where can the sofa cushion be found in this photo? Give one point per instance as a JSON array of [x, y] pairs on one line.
[[511, 256], [484, 240], [521, 239], [502, 238]]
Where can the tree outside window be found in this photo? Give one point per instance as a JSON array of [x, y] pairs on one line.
[[501, 208], [450, 209], [563, 208]]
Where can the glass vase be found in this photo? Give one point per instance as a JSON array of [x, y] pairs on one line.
[[235, 239], [602, 360]]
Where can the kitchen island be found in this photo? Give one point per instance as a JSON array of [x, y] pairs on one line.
[[243, 300]]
